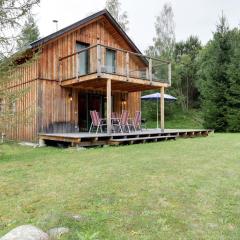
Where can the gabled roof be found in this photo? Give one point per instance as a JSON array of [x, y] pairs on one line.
[[83, 22]]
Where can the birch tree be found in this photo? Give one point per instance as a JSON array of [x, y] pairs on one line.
[[114, 7]]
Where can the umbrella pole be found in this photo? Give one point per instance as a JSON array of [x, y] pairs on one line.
[[157, 114]]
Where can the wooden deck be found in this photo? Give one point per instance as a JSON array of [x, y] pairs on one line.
[[100, 139]]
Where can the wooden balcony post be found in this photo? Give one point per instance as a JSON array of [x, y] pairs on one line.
[[99, 60], [109, 106], [150, 70], [127, 65], [162, 109], [77, 65], [170, 74]]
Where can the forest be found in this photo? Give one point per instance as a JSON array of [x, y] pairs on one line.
[[206, 78]]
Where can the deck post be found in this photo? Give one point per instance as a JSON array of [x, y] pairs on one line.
[[162, 109], [99, 60], [77, 65], [109, 106], [127, 66]]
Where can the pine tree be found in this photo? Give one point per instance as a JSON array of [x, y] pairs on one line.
[[214, 79], [233, 93], [29, 33], [114, 7]]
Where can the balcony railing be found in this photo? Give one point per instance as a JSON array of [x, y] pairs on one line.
[[100, 59]]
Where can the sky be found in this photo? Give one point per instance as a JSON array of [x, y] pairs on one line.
[[191, 17]]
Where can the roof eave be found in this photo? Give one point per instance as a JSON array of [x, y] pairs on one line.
[[104, 12]]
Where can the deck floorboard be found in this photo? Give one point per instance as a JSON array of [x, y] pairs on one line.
[[94, 139]]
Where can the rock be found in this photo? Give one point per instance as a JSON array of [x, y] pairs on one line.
[[25, 232], [56, 233], [78, 218], [28, 144]]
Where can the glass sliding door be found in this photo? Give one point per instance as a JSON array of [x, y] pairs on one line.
[[110, 61], [83, 58], [89, 102]]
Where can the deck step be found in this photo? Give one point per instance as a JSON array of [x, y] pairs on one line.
[[137, 139]]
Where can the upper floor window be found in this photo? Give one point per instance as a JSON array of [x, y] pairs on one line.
[[83, 58], [110, 61]]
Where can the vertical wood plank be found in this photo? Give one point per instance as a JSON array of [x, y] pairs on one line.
[[109, 105]]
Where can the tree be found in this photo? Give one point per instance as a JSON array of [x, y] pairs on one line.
[[114, 7], [12, 14], [164, 41], [185, 72], [233, 92], [214, 82], [29, 33]]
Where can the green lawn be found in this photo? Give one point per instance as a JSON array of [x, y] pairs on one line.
[[184, 189], [188, 120]]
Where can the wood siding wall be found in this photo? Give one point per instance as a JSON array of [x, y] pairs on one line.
[[24, 81], [56, 109], [100, 31], [51, 104]]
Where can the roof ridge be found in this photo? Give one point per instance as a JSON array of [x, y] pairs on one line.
[[105, 12]]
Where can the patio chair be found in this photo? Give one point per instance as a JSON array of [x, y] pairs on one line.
[[136, 122], [97, 122], [114, 115], [122, 123], [115, 121]]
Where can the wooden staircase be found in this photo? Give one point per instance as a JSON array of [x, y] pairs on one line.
[[141, 139]]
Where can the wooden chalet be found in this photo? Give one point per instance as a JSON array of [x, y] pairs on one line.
[[89, 65]]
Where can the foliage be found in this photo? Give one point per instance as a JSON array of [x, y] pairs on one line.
[[184, 189], [162, 48], [185, 72], [29, 33], [233, 92], [213, 73], [164, 41], [114, 7], [175, 118], [10, 114], [12, 13]]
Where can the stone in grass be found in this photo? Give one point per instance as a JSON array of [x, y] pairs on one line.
[[78, 218], [56, 233], [25, 232]]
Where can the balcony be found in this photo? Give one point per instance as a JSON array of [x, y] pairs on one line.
[[102, 62]]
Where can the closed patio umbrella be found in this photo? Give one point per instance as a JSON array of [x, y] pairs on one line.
[[157, 97]]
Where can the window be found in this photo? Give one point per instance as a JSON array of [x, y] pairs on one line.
[[110, 61], [83, 58]]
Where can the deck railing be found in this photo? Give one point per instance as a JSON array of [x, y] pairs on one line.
[[101, 59]]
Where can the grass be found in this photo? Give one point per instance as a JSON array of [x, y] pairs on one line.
[[186, 120], [184, 189]]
